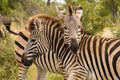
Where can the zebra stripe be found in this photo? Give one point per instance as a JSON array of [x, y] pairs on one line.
[[51, 35], [100, 56], [20, 42]]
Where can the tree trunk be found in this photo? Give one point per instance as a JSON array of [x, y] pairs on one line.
[[48, 2]]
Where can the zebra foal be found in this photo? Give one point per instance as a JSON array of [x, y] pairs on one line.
[[20, 42]]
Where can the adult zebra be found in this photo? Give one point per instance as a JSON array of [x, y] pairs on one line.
[[47, 38], [99, 56]]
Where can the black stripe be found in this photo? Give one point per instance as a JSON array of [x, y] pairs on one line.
[[114, 62], [66, 57], [100, 54], [54, 62], [49, 59], [18, 54], [114, 47], [37, 60], [19, 45], [19, 62], [46, 62], [82, 44], [62, 52], [78, 74], [50, 29], [25, 67], [41, 60], [47, 32], [107, 62], [56, 39], [95, 56], [65, 54], [86, 44], [60, 43], [90, 54], [23, 36], [54, 35]]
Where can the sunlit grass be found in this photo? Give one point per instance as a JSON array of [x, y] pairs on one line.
[[31, 75]]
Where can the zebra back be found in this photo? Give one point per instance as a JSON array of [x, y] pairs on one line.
[[100, 56]]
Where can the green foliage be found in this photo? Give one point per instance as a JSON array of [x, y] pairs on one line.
[[52, 76], [7, 60], [97, 15]]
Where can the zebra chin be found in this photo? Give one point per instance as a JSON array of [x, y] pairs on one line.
[[25, 61], [74, 45]]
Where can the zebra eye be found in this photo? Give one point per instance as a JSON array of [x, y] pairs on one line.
[[79, 26], [32, 27], [65, 27]]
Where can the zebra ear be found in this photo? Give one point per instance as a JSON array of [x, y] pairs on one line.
[[79, 12], [38, 24], [70, 9], [61, 13], [35, 22]]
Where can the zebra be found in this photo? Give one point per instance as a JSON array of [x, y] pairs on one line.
[[98, 55], [20, 42], [47, 38]]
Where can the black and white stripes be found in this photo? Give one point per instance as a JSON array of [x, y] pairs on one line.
[[100, 56], [51, 38]]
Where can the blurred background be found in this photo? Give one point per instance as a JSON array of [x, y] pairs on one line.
[[100, 17]]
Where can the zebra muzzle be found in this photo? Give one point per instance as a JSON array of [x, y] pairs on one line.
[[74, 45], [25, 60]]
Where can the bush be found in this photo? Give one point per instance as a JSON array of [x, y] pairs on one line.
[[7, 60]]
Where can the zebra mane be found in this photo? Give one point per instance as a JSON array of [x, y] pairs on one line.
[[45, 16]]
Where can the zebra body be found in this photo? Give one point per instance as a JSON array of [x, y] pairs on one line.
[[100, 56]]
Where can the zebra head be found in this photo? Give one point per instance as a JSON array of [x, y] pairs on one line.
[[72, 26], [31, 50]]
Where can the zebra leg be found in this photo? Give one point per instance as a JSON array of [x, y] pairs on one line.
[[41, 74], [62, 69], [22, 71], [78, 73]]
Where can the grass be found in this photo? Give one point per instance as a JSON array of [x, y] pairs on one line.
[[51, 76]]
